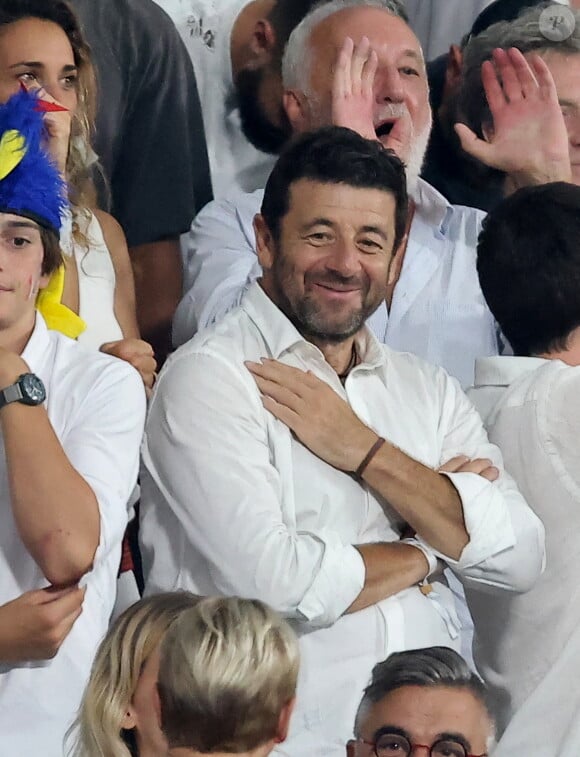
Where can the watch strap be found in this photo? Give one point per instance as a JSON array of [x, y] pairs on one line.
[[12, 393]]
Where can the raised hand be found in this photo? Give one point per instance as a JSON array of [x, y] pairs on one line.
[[529, 140], [352, 87]]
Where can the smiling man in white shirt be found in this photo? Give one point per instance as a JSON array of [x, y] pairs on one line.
[[529, 266], [233, 502]]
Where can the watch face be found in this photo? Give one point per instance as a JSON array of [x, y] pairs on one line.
[[32, 389]]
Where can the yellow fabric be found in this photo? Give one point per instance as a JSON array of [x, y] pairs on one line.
[[12, 150], [58, 316]]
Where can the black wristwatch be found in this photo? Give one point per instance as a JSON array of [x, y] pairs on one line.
[[27, 389]]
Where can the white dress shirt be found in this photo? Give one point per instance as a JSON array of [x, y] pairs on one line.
[[232, 503], [438, 311], [96, 405], [527, 646], [206, 29]]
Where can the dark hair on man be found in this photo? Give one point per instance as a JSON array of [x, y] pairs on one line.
[[500, 10], [285, 16], [52, 258], [335, 155], [433, 666], [528, 261]]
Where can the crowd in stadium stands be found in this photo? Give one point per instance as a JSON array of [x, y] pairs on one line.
[[289, 378]]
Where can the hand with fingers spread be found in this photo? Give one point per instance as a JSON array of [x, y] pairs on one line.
[[352, 88], [321, 419], [529, 140], [34, 625], [462, 464]]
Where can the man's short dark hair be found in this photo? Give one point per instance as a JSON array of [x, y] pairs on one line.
[[52, 258], [433, 666], [528, 260], [284, 16], [335, 155]]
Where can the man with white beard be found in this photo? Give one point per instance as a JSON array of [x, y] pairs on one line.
[[358, 64]]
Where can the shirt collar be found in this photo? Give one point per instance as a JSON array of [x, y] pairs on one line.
[[282, 336], [502, 371], [36, 347], [430, 205]]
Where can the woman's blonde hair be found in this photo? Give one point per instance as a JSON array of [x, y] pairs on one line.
[[97, 731], [227, 669]]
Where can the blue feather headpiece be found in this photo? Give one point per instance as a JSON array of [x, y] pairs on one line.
[[30, 183]]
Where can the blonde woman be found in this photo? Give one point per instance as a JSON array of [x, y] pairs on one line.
[[41, 47], [121, 678]]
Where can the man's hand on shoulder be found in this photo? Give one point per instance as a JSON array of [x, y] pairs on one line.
[[322, 420]]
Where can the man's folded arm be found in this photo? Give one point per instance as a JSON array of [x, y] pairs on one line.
[[208, 453]]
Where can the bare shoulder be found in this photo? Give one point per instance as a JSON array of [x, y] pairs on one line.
[[114, 237]]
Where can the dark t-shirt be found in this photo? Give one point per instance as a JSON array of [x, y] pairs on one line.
[[149, 134], [444, 169]]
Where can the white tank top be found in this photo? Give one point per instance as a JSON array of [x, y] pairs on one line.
[[96, 276]]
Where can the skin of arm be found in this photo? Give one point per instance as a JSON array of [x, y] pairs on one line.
[[322, 420], [34, 625], [132, 348], [55, 510], [389, 568], [153, 263]]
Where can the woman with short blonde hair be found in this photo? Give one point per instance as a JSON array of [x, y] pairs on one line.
[[227, 679]]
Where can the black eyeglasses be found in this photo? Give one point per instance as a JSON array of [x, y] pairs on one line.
[[394, 745]]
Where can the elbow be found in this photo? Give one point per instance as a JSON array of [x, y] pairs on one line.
[[64, 564]]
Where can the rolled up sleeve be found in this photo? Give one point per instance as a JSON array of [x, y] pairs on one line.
[[506, 539]]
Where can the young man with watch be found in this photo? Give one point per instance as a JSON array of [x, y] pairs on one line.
[[71, 421]]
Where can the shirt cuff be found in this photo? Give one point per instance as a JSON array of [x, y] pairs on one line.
[[487, 520], [339, 581]]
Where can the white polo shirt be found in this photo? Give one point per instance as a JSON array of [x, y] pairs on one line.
[[232, 503], [96, 405]]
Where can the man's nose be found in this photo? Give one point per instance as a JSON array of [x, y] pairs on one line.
[[389, 85], [345, 258]]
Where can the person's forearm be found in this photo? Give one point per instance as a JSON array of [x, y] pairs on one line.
[[426, 499], [55, 510], [158, 282], [389, 568]]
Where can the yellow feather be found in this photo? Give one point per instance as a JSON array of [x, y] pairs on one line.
[[12, 150], [58, 316]]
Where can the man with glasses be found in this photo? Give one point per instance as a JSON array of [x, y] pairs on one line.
[[426, 703]]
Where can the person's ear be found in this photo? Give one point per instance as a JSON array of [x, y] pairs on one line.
[[129, 719], [43, 280], [284, 721], [262, 43], [297, 110], [351, 748], [397, 261], [453, 71], [265, 244]]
